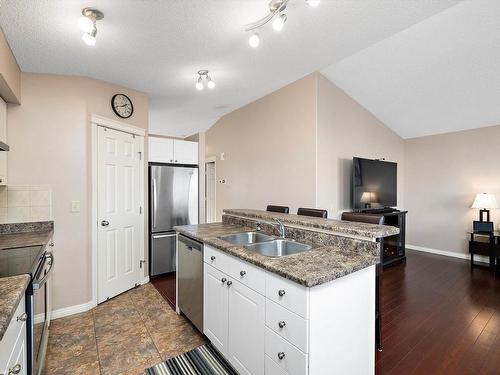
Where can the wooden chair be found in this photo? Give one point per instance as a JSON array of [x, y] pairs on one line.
[[372, 219], [282, 209], [314, 212]]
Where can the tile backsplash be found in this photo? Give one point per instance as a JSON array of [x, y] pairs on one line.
[[25, 203]]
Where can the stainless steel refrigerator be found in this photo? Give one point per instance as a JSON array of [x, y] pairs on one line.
[[173, 200]]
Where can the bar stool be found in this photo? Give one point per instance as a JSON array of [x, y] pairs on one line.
[[282, 209], [314, 212]]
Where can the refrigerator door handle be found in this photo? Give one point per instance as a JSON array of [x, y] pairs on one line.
[[154, 203], [164, 235]]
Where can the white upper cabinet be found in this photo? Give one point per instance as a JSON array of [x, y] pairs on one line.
[[3, 138], [161, 150], [165, 150], [185, 152]]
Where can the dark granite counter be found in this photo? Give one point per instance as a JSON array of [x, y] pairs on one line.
[[322, 264], [14, 240], [11, 293], [340, 227]]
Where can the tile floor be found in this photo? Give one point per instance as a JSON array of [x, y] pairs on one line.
[[124, 335]]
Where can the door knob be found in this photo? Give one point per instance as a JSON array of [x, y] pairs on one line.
[[104, 223]]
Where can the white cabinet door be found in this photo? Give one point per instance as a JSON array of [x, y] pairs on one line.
[[246, 329], [215, 309], [185, 152], [161, 150], [3, 138]]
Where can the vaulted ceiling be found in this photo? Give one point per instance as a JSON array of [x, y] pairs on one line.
[[157, 47], [438, 76]]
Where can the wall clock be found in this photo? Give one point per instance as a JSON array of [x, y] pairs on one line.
[[122, 105]]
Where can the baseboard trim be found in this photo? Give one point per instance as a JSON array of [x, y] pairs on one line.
[[75, 309], [478, 258]]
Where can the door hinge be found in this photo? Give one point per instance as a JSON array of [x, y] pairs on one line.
[[140, 210], [141, 262], [140, 155]]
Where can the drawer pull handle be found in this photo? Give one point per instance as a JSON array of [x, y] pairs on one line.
[[281, 355], [15, 370], [229, 283], [212, 258], [281, 293], [223, 280], [243, 273], [282, 324], [22, 318]]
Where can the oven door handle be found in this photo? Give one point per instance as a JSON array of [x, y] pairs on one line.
[[37, 284]]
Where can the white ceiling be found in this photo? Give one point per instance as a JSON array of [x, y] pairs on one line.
[[438, 76], [157, 47]]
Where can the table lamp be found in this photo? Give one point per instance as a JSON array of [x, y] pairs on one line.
[[368, 198], [484, 202]]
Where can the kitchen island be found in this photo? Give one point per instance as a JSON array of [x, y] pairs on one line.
[[308, 313]]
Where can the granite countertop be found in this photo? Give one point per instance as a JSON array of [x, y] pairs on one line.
[[310, 268], [340, 227], [11, 293]]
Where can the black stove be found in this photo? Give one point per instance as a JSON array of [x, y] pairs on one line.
[[21, 260]]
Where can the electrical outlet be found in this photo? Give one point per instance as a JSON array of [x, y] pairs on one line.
[[75, 206]]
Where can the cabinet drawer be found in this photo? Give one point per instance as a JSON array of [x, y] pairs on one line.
[[288, 294], [216, 258], [248, 274], [15, 331], [288, 325], [272, 368], [293, 361]]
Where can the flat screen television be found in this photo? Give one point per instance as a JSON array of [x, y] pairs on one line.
[[374, 184]]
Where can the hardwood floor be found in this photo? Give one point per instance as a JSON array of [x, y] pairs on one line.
[[439, 318], [166, 286]]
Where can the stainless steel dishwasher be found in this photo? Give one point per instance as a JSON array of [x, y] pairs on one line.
[[190, 279]]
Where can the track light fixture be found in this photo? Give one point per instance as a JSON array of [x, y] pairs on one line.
[[277, 12], [87, 23], [204, 76]]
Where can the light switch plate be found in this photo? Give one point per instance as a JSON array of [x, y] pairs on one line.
[[222, 156], [75, 206]]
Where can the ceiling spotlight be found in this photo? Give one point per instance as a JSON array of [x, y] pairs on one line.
[[88, 24], [199, 84], [254, 40], [89, 38], [203, 75], [279, 22], [313, 3], [210, 83]]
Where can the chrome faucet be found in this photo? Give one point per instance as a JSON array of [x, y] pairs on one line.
[[281, 228], [258, 227]]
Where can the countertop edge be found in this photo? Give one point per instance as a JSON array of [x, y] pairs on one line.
[[20, 291]]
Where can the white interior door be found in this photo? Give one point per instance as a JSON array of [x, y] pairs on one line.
[[119, 212], [210, 192]]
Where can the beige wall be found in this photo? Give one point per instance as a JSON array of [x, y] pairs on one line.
[[10, 74], [269, 148], [49, 135], [346, 129], [443, 175]]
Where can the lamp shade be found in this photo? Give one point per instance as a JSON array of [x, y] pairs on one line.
[[484, 200], [369, 197]]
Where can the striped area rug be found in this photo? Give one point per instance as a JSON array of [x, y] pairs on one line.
[[203, 360]]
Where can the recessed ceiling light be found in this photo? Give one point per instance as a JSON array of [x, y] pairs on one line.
[[313, 3], [279, 22], [89, 38]]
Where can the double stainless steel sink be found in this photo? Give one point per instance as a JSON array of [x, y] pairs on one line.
[[266, 245]]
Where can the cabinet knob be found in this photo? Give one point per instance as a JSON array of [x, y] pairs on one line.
[[212, 258], [22, 318], [15, 370], [171, 160], [104, 223], [51, 244], [1, 180], [281, 324], [176, 160], [281, 292], [281, 355], [229, 283], [223, 280], [243, 273]]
